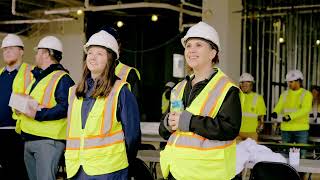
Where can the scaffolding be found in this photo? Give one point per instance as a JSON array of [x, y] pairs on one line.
[[276, 40]]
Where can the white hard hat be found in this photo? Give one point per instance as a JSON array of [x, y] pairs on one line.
[[11, 40], [103, 38], [50, 42], [246, 77], [202, 30], [294, 75], [170, 84]]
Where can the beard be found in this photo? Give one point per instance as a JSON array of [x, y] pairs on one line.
[[11, 62]]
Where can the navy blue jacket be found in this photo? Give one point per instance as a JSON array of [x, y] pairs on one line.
[[6, 81]]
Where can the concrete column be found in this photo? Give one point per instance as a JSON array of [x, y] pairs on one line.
[[220, 14]]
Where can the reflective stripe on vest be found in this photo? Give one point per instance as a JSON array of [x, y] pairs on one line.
[[72, 96], [47, 95], [122, 71], [211, 103], [177, 93], [254, 104], [95, 142], [195, 141], [27, 77], [250, 115], [179, 88], [105, 138], [291, 110]]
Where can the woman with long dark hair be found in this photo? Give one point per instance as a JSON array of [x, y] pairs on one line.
[[103, 118]]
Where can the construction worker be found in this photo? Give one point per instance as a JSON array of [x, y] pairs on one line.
[[103, 123], [124, 72], [204, 117], [315, 113], [14, 78], [128, 74], [253, 109], [43, 127], [165, 104], [293, 108]]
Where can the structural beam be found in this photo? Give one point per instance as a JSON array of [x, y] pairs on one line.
[[68, 2], [123, 6]]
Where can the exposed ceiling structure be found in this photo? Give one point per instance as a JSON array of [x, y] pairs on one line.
[[18, 16], [278, 36], [267, 7]]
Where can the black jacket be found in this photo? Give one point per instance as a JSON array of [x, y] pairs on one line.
[[226, 124]]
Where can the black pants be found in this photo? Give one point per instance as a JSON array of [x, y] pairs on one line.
[[11, 156]]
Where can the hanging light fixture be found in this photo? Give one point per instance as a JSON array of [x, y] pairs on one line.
[[154, 18], [120, 24], [281, 40], [79, 12]]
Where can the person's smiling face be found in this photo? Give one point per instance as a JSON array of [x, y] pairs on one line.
[[198, 53], [97, 59]]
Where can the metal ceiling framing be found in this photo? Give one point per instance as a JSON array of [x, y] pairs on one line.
[[269, 60]]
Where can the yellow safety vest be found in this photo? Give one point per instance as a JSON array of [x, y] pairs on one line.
[[99, 148], [44, 94], [19, 86], [297, 104], [165, 102], [190, 156], [252, 107], [22, 79], [122, 71]]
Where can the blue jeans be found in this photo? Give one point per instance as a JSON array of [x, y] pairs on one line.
[[42, 157], [295, 137], [118, 175]]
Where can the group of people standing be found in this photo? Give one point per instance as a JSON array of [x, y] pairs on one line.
[[296, 108], [96, 123], [201, 136]]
